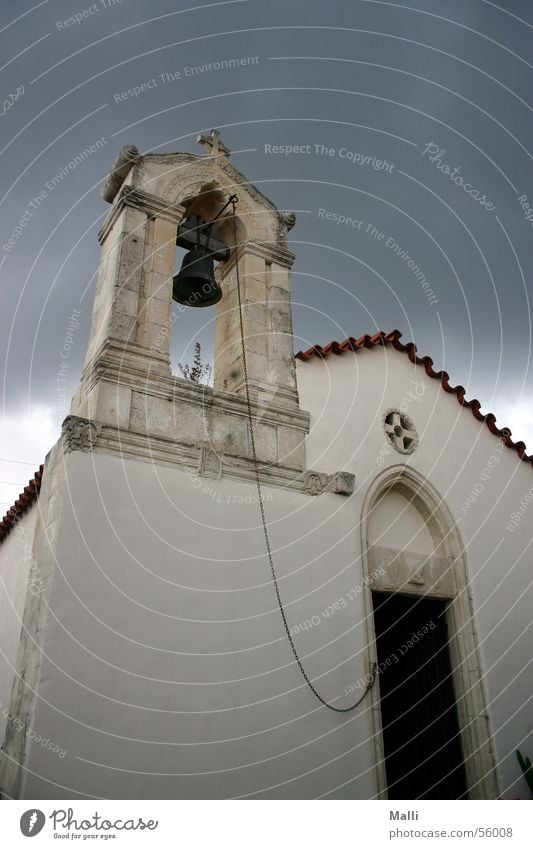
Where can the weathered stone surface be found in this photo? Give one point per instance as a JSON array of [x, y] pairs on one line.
[[315, 482], [152, 335], [161, 416], [155, 310], [210, 463], [393, 569], [111, 403], [79, 434], [341, 483], [127, 383], [291, 447], [230, 431], [266, 442], [120, 169]]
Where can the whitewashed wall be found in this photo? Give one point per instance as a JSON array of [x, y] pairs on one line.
[[167, 673], [482, 482], [16, 576]]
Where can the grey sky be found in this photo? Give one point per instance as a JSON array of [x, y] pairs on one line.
[[367, 78]]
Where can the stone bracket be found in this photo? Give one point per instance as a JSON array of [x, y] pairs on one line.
[[79, 434], [341, 483], [210, 463]]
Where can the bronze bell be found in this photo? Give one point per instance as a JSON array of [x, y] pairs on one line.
[[195, 285]]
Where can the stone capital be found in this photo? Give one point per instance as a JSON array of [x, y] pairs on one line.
[[151, 205], [269, 252], [79, 434]]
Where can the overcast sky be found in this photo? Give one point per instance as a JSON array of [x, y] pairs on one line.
[[411, 120]]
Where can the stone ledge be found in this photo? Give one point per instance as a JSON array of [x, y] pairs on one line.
[[125, 370], [170, 453], [265, 250], [410, 571], [105, 439]]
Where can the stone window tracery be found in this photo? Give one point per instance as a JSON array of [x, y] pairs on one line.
[[400, 431]]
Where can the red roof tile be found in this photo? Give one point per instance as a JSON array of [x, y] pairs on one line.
[[25, 500], [393, 338]]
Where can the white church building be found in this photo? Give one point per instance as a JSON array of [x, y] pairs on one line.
[[146, 649]]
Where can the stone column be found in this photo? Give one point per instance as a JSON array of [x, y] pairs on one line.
[[129, 338], [264, 272]]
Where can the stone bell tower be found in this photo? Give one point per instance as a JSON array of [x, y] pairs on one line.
[[151, 196]]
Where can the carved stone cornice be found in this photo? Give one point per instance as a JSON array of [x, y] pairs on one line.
[[203, 460], [172, 158], [266, 250], [152, 205], [271, 252]]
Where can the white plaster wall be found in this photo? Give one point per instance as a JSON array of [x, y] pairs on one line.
[[396, 523], [166, 670], [348, 397], [15, 565]]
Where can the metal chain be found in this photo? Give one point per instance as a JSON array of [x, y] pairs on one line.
[[309, 683]]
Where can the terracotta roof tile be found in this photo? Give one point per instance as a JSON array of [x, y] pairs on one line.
[[393, 339], [23, 502]]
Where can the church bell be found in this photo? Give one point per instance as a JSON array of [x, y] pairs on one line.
[[195, 284]]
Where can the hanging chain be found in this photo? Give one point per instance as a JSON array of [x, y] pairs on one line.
[[373, 671]]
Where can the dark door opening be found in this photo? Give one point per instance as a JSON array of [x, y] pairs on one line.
[[423, 755]]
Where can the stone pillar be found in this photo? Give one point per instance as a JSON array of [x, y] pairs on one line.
[[264, 272], [155, 289], [129, 338]]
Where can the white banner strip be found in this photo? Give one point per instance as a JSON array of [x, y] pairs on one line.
[[266, 824]]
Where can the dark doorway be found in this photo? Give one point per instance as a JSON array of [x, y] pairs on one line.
[[423, 756]]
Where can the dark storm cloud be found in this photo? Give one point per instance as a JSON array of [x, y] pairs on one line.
[[359, 90]]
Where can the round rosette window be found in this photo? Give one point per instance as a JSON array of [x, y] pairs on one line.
[[401, 432]]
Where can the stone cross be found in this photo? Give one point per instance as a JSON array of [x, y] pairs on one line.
[[213, 143], [399, 433]]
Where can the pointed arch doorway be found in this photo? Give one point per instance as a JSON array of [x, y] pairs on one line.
[[421, 738], [430, 724]]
